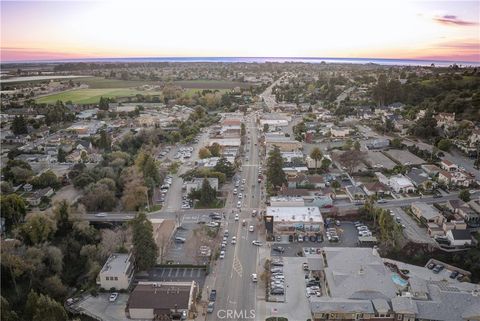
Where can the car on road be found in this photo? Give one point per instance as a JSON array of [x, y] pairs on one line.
[[210, 307], [101, 214], [212, 224], [113, 297], [381, 201], [239, 204], [213, 295], [250, 228], [237, 217], [305, 266], [222, 254], [234, 240], [254, 213], [257, 243], [279, 249], [254, 277]]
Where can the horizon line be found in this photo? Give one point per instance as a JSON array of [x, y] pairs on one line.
[[106, 59]]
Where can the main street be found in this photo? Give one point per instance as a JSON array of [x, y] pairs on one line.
[[232, 275]]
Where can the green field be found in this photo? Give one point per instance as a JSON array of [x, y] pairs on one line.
[[91, 96]]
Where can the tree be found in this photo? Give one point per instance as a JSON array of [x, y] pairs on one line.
[[104, 142], [82, 180], [316, 155], [19, 126], [242, 130], [224, 166], [335, 184], [356, 145], [351, 159], [215, 149], [38, 228], [204, 153], [134, 192], [103, 103], [325, 164], [464, 195], [145, 250], [46, 179], [396, 143], [425, 126], [61, 155], [265, 128], [275, 174], [208, 194], [41, 307], [7, 313], [13, 209], [444, 144], [99, 197]]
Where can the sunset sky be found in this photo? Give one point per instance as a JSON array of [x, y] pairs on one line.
[[431, 30]]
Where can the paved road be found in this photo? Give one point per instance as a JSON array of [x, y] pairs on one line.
[[231, 276], [267, 96]]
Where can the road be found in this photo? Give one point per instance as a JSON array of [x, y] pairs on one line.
[[232, 275], [267, 96], [343, 95]]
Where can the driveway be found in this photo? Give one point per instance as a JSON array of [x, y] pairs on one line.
[[101, 308]]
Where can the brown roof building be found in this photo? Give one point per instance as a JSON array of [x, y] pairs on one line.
[[161, 300]]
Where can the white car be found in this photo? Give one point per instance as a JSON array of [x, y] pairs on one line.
[[237, 217], [234, 191], [240, 196], [239, 204], [234, 240], [250, 228], [113, 297], [254, 277], [257, 243], [212, 224], [222, 254]]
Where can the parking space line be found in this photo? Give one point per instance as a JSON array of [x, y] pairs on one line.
[[191, 272], [176, 274], [169, 272], [198, 272], [184, 270]]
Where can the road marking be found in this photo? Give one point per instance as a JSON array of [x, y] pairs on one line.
[[169, 272]]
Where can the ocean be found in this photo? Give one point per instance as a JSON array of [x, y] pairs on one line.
[[378, 61]]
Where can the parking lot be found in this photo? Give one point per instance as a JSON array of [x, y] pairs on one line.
[[296, 302], [348, 237], [101, 308], [378, 160], [405, 157], [185, 252], [177, 274]]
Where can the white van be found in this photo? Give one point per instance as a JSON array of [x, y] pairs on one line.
[[179, 239]]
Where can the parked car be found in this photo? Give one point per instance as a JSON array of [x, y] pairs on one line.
[[438, 268], [222, 254], [113, 297], [250, 228], [257, 243], [431, 266], [454, 274], [254, 277]]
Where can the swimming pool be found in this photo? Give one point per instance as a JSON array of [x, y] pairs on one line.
[[397, 279]]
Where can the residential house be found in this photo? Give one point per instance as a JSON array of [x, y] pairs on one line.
[[460, 178], [117, 272], [340, 131], [459, 237], [376, 188], [35, 198], [474, 138], [427, 213], [401, 184], [431, 170], [378, 144], [355, 192], [445, 119], [420, 179], [469, 215], [448, 165]]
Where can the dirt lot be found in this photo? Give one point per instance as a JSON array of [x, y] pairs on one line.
[[405, 157]]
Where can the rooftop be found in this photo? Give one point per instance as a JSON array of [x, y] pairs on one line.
[[161, 295], [295, 214], [117, 263]]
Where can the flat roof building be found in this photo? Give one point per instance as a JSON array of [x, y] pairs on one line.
[[117, 272]]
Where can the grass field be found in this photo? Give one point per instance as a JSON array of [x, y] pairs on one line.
[[91, 96], [102, 83]]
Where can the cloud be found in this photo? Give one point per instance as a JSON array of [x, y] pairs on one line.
[[453, 20]]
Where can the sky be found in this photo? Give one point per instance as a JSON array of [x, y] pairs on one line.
[[397, 29]]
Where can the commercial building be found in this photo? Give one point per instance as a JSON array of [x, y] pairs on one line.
[[301, 220], [357, 284], [162, 300], [117, 272]]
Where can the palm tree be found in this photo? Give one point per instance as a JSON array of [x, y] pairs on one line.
[[316, 155]]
